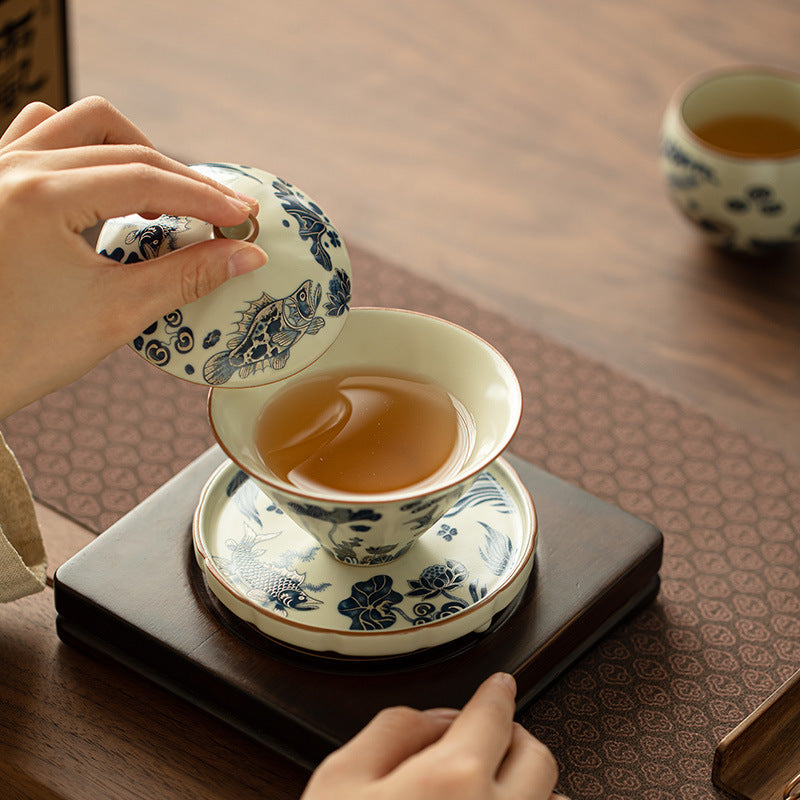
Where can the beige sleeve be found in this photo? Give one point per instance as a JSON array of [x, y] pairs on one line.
[[22, 558]]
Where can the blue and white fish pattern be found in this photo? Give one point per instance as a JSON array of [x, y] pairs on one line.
[[267, 584], [267, 331]]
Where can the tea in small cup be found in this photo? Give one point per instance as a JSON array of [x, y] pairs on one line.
[[730, 152], [372, 444]]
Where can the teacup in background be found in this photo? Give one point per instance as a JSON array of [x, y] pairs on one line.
[[378, 528], [742, 203]]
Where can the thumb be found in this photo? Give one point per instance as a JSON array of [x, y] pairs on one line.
[[163, 284]]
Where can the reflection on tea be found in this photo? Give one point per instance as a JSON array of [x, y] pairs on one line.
[[751, 135], [360, 432]]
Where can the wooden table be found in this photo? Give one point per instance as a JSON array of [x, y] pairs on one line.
[[505, 149], [508, 149]]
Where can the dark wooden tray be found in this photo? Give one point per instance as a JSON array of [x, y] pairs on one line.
[[136, 596]]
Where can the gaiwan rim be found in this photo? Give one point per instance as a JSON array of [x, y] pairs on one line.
[[416, 491]]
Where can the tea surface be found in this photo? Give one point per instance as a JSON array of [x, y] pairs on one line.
[[751, 136], [361, 433]]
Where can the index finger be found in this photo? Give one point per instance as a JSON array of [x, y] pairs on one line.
[[93, 193], [485, 726], [32, 115], [120, 155], [92, 120]]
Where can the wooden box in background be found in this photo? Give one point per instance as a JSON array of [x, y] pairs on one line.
[[33, 55]]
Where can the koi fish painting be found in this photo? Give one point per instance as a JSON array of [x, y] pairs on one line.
[[267, 331]]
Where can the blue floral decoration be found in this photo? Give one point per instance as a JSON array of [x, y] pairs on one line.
[[354, 519], [118, 254], [314, 226], [694, 172], [484, 491], [438, 579], [370, 604], [338, 294], [498, 550], [357, 521], [180, 337], [426, 511], [212, 337], [447, 532], [448, 609], [245, 495]]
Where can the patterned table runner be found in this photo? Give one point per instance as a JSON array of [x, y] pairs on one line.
[[640, 715]]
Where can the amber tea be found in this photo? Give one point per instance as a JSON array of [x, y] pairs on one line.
[[369, 431], [751, 135]]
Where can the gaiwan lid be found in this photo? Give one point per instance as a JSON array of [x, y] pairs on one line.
[[259, 327]]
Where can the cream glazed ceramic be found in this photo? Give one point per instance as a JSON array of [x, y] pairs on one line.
[[378, 528], [742, 204], [259, 327], [272, 574]]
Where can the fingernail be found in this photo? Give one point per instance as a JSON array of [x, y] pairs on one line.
[[240, 205], [250, 202], [507, 680], [443, 713], [246, 259]]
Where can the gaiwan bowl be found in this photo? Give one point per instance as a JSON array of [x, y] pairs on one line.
[[259, 327], [375, 528]]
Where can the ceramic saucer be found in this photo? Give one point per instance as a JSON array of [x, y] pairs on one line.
[[269, 572], [256, 328]]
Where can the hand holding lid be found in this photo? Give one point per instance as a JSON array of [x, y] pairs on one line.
[[259, 327]]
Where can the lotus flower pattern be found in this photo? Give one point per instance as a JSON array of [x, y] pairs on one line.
[[438, 579], [370, 605]]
